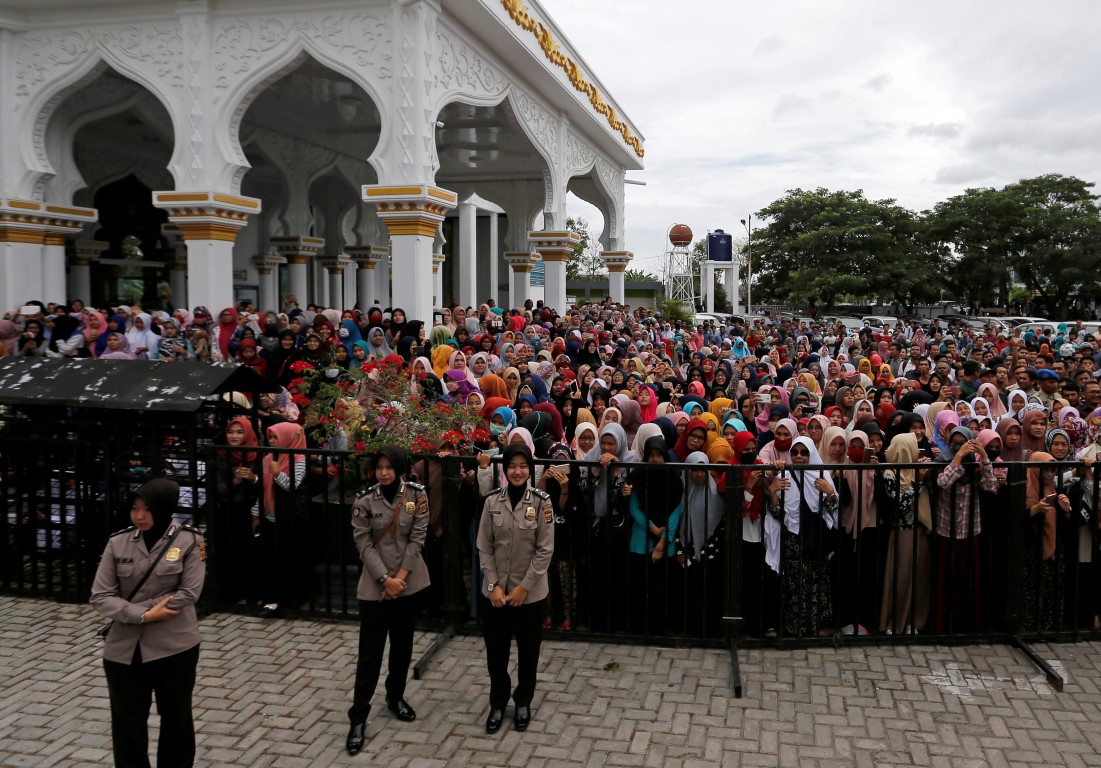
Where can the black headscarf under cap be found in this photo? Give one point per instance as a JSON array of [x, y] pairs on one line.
[[162, 498], [398, 458]]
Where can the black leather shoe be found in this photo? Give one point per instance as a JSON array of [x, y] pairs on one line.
[[493, 722], [401, 710], [355, 738], [521, 719]]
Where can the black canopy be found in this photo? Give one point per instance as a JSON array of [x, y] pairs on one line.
[[126, 385]]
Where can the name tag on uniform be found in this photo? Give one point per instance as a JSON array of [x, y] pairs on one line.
[[172, 555], [529, 514], [124, 560]]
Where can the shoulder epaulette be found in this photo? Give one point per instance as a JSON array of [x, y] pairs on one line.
[[124, 530], [415, 486], [541, 494]]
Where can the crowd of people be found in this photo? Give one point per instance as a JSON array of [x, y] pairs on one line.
[[843, 547]]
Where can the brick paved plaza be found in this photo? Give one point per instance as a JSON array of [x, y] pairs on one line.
[[275, 693]]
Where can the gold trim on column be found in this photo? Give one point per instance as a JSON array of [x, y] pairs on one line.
[[554, 254], [54, 238], [79, 262], [419, 225], [203, 230], [21, 235], [296, 259], [617, 267]]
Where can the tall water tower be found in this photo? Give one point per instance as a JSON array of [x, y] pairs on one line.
[[679, 285]]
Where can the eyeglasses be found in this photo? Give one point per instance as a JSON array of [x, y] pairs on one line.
[[800, 452]]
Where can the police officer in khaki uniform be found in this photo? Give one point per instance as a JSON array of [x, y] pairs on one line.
[[389, 524], [152, 647], [515, 545]]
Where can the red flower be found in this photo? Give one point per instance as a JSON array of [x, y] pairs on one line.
[[360, 447], [301, 365], [300, 400]]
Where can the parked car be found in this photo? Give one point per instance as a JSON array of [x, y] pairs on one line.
[[878, 321]]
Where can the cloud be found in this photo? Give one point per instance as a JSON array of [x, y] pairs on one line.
[[964, 173], [879, 82], [769, 45], [789, 102], [936, 130]]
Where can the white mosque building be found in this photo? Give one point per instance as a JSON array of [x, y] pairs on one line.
[[373, 151]]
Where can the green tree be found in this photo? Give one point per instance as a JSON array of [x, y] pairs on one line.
[[585, 262], [639, 276], [1044, 231], [822, 246]]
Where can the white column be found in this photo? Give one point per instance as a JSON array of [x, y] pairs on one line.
[[707, 286], [177, 281], [437, 279], [297, 251], [519, 286], [364, 275], [382, 275], [80, 268], [53, 267], [494, 235], [617, 262], [412, 215], [209, 222], [334, 268], [351, 284], [32, 250], [555, 248], [467, 268], [268, 267], [732, 288], [177, 276]]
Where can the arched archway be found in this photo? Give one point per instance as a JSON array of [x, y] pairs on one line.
[[315, 128], [109, 145], [485, 151]]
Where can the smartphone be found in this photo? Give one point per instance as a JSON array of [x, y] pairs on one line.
[[1052, 498], [869, 454], [561, 469]]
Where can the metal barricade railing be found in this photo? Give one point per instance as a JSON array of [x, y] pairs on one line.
[[914, 554]]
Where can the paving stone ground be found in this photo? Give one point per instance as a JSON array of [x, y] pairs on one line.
[[274, 693]]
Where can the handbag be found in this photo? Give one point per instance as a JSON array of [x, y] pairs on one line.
[[149, 572]]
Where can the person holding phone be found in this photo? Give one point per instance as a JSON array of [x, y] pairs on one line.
[[958, 526]]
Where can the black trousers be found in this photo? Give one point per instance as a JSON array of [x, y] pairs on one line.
[[377, 619], [132, 687], [500, 625]]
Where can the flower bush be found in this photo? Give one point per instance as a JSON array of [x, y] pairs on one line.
[[380, 403]]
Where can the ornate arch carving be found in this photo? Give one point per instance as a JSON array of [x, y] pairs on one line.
[[251, 54], [51, 66]]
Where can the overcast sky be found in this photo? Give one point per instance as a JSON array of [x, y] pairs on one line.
[[739, 102]]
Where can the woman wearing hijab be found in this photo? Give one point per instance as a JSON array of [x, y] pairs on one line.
[[858, 548], [807, 503], [700, 538], [224, 337], [238, 478], [33, 342], [377, 346], [958, 528], [66, 340], [276, 517], [152, 646], [654, 500], [390, 526], [1044, 563], [1034, 430], [515, 548], [906, 509]]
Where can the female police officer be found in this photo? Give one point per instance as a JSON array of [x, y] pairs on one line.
[[153, 643], [515, 545], [389, 524]]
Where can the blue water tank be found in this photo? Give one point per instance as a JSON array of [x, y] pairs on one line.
[[720, 246]]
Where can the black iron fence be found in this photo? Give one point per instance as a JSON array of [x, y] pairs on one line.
[[644, 552]]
